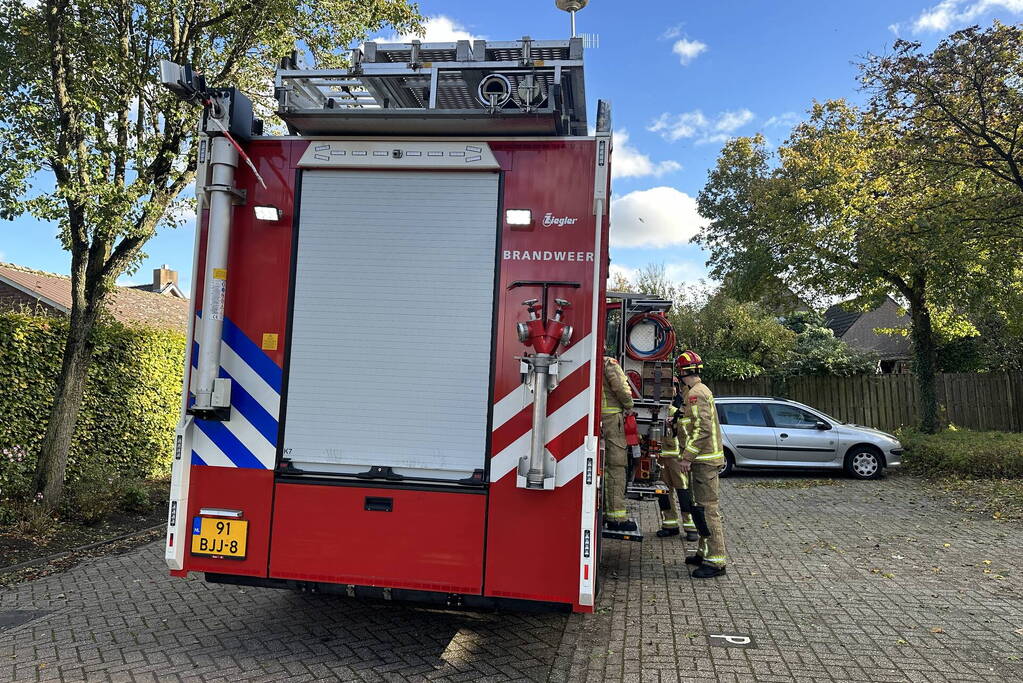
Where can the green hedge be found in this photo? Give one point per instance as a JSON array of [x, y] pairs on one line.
[[964, 452], [126, 425]]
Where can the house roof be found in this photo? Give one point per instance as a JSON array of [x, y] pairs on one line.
[[859, 329], [125, 304], [170, 289], [840, 320]]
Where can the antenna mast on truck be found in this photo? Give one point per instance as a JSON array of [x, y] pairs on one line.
[[571, 6]]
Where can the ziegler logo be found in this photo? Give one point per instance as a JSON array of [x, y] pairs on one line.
[[550, 219]]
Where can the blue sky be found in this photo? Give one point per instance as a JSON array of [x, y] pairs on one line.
[[682, 76]]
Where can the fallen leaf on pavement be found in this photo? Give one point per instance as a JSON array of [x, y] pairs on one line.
[[937, 629]]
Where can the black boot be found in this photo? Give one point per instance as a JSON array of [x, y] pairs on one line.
[[692, 536], [694, 560], [668, 531], [707, 571]]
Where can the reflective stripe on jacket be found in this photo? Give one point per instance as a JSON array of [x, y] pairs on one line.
[[703, 432], [669, 443], [616, 395]]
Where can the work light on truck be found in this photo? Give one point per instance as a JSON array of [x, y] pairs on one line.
[[518, 217], [267, 213]]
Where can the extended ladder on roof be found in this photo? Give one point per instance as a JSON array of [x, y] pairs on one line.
[[523, 87]]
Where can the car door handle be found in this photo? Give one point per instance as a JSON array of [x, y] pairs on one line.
[[784, 436]]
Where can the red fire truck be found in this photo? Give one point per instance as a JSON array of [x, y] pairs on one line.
[[394, 385]]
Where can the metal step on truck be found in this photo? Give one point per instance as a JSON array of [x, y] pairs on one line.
[[393, 389]]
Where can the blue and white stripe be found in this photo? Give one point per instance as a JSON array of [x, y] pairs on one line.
[[249, 438]]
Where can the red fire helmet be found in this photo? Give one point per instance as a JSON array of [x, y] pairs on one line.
[[689, 363]]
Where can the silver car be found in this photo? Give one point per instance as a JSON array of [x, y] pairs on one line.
[[776, 432]]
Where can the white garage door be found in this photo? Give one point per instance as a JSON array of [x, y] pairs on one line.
[[391, 337]]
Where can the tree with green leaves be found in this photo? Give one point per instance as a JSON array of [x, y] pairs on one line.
[[738, 340], [88, 139], [843, 208], [817, 351], [961, 105]]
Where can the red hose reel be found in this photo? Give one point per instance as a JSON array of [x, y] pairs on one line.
[[663, 337]]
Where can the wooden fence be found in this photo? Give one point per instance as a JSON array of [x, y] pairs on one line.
[[974, 401]]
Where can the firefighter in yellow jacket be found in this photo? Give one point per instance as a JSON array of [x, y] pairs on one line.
[[616, 402], [703, 456], [673, 477]]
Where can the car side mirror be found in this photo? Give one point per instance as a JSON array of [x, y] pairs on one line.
[[823, 426]]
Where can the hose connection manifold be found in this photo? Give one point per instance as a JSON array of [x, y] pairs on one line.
[[539, 370]]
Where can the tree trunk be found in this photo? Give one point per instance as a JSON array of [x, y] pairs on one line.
[[925, 358], [70, 388]]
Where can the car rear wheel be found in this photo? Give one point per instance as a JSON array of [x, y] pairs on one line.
[[729, 465], [863, 462]]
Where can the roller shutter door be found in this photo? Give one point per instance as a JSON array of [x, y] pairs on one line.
[[390, 356]]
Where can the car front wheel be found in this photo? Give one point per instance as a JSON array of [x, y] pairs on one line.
[[863, 462], [728, 467]]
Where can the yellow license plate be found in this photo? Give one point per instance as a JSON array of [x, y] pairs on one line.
[[215, 537]]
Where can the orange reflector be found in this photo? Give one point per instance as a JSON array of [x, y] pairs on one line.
[[586, 572]]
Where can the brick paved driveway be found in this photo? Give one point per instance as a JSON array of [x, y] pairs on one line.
[[863, 581]]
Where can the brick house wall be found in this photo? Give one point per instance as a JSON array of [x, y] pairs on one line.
[[13, 299]]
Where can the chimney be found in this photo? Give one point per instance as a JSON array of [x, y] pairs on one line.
[[164, 276]]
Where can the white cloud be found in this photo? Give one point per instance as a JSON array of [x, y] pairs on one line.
[[786, 120], [688, 50], [937, 18], [679, 126], [678, 272], [951, 13], [672, 32], [731, 121], [686, 271], [895, 28], [625, 271], [694, 124], [629, 162], [657, 217], [439, 29]]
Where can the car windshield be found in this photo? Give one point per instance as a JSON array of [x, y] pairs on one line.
[[818, 412]]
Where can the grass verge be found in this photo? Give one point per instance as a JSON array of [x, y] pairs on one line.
[[1000, 499], [28, 541], [979, 472]]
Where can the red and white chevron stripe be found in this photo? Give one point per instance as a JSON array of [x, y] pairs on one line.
[[567, 409]]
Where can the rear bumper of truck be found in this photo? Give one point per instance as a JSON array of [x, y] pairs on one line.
[[396, 595]]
